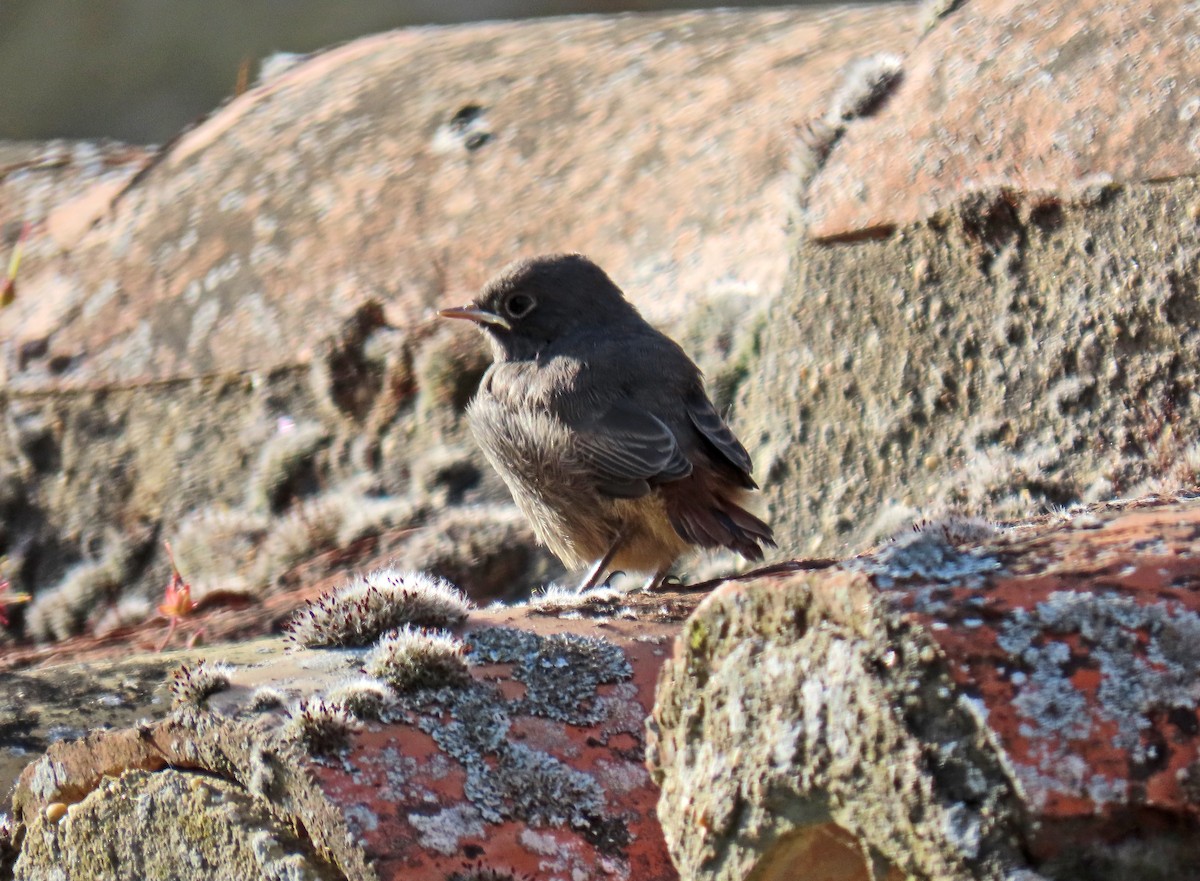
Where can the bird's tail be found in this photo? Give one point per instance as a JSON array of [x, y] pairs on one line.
[[748, 533], [715, 520]]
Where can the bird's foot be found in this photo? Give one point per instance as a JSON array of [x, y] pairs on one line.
[[659, 580], [607, 583], [592, 583]]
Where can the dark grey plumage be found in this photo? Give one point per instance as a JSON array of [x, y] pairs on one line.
[[600, 425]]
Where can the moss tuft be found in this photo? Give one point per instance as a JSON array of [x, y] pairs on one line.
[[409, 659], [192, 685], [364, 697], [319, 726], [371, 605]]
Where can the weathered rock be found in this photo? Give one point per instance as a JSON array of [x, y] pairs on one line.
[[993, 303], [115, 689], [37, 179], [961, 703], [169, 824], [530, 766], [136, 456], [1032, 97], [1001, 360], [411, 165]]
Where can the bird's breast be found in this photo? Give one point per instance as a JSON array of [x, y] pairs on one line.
[[522, 438], [534, 452]]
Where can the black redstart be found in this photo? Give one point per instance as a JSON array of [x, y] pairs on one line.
[[600, 425]]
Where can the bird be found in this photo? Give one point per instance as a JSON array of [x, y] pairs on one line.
[[601, 428]]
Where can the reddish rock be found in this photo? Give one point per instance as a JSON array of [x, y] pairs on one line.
[[534, 767], [1027, 96], [74, 180], [960, 703], [1082, 649], [40, 179], [409, 166]]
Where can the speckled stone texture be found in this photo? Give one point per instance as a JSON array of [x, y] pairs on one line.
[[531, 766], [1003, 358], [964, 702], [169, 824]]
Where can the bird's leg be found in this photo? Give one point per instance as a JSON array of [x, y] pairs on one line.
[[593, 576], [656, 580]]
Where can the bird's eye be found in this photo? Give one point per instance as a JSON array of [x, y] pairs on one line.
[[519, 305]]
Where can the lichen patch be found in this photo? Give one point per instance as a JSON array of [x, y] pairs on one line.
[[444, 830], [927, 554], [1100, 665], [561, 672], [506, 779]]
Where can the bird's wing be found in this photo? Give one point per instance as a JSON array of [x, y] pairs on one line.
[[628, 448], [709, 423]]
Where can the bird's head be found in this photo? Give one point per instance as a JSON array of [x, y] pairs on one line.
[[536, 302]]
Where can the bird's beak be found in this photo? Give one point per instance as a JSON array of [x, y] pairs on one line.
[[479, 316]]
